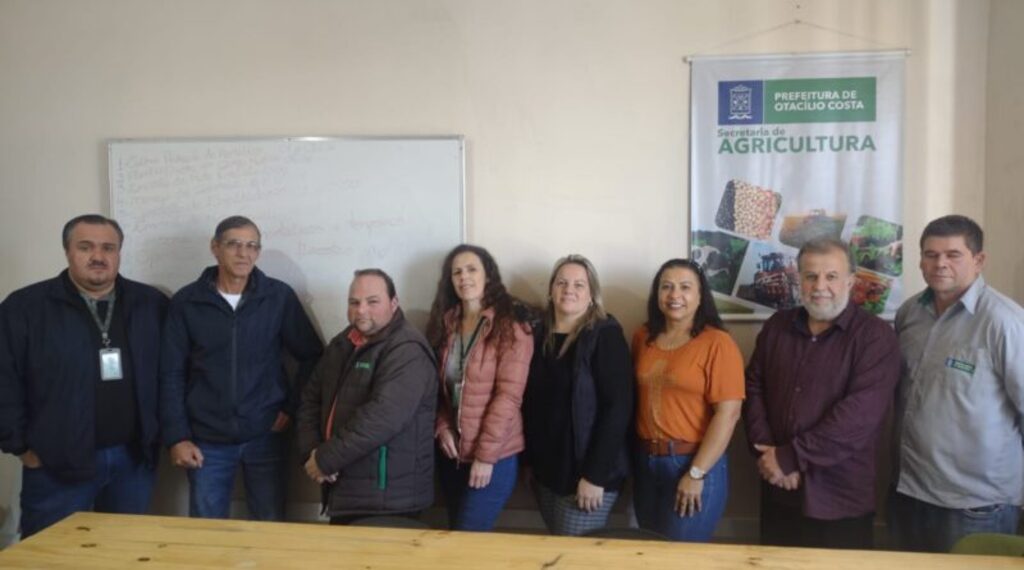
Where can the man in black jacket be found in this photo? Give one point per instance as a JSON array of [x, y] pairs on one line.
[[78, 382], [225, 400], [366, 423]]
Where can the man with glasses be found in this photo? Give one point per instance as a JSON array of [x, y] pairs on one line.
[[78, 382], [225, 400]]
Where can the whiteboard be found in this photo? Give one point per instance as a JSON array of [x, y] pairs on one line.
[[325, 207]]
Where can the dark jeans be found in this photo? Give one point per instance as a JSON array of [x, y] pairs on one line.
[[263, 469], [656, 478], [923, 527], [783, 525], [476, 509], [121, 485]]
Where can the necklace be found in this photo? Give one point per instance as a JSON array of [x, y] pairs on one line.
[[464, 347]]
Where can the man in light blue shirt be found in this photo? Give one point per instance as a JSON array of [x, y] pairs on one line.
[[961, 398]]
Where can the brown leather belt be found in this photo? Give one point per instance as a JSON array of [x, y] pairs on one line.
[[666, 446]]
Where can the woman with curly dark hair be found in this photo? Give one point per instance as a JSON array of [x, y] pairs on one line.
[[690, 387], [484, 353]]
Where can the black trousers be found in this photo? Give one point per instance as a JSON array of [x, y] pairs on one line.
[[783, 525], [394, 520]]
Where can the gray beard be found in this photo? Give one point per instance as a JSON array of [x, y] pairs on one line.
[[826, 315]]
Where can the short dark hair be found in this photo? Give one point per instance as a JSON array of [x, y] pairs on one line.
[[956, 225], [825, 245], [374, 272], [233, 223], [94, 219], [707, 312]]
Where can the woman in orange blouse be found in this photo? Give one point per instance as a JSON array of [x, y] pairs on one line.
[[689, 392]]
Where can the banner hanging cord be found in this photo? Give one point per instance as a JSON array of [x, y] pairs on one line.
[[792, 23]]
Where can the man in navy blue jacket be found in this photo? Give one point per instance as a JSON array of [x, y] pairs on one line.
[[78, 382], [225, 399]]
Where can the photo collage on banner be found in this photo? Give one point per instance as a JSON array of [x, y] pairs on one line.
[[785, 149]]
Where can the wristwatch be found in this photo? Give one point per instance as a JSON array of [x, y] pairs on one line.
[[696, 473]]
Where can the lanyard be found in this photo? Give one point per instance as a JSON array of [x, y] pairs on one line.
[[105, 325], [465, 348]]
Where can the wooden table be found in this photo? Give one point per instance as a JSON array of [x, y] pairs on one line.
[[92, 540]]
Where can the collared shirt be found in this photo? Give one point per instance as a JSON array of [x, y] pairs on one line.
[[821, 400], [961, 399]]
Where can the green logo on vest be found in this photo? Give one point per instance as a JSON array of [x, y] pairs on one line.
[[363, 365]]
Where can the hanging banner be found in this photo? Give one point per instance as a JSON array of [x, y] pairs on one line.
[[789, 148]]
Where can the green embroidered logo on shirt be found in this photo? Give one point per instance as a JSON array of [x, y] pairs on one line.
[[363, 365], [960, 365]]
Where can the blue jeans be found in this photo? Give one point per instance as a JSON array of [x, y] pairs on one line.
[[476, 509], [263, 468], [122, 484], [923, 527], [656, 478]]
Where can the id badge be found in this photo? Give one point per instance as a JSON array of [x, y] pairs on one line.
[[110, 364]]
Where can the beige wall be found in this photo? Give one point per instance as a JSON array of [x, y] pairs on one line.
[[575, 112], [1004, 153]]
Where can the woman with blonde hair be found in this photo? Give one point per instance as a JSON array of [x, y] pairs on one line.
[[578, 404]]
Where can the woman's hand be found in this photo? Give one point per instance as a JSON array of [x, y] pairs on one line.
[[447, 442], [480, 474], [688, 495], [589, 496]]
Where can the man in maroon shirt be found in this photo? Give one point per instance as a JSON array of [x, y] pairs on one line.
[[819, 384]]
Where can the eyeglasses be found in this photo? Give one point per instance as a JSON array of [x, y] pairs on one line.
[[238, 245]]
